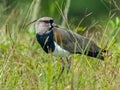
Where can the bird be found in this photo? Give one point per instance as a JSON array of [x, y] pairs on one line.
[[63, 42]]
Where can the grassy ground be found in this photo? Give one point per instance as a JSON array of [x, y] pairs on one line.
[[25, 66]]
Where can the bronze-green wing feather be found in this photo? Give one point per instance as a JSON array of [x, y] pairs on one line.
[[75, 43]]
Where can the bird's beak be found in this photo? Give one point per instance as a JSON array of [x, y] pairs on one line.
[[31, 22]]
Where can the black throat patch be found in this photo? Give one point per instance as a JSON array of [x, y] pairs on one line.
[[46, 41]]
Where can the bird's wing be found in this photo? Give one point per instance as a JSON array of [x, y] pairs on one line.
[[75, 43]]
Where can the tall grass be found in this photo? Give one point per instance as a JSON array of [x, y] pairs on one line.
[[25, 66]]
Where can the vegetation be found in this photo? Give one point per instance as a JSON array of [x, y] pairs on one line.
[[25, 66]]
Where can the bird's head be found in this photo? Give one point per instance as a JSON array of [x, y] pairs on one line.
[[44, 25]]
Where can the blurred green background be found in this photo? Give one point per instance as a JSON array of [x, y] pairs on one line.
[[98, 9], [79, 15], [25, 66]]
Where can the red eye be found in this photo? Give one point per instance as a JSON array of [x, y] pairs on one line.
[[45, 21]]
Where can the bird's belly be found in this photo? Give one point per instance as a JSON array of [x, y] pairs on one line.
[[60, 51]]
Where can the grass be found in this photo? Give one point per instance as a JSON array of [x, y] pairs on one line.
[[25, 66]]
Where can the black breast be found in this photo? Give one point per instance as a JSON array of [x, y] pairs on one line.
[[46, 41]]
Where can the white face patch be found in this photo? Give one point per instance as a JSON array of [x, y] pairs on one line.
[[41, 27], [60, 51]]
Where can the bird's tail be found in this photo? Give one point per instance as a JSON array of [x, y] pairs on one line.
[[98, 55], [101, 57]]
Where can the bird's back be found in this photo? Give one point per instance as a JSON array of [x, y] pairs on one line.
[[75, 43]]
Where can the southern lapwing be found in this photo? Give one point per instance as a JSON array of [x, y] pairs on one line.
[[62, 42]]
